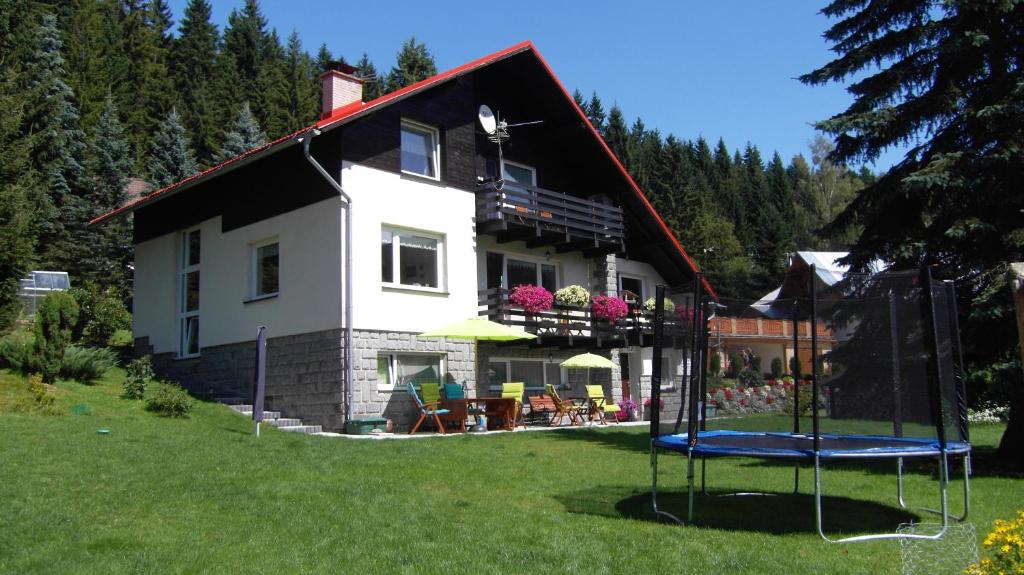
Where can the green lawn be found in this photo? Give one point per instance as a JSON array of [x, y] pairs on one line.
[[204, 495]]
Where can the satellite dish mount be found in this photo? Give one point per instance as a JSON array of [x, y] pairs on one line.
[[497, 132]]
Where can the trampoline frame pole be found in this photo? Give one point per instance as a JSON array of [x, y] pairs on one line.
[[796, 387]]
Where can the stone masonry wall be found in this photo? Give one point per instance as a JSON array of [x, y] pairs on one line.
[[397, 405], [304, 374]]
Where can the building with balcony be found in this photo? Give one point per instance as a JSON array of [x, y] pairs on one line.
[[402, 217]]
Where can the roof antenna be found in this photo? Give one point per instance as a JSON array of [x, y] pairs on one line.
[[497, 132]]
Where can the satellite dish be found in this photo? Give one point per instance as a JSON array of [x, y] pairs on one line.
[[487, 121]]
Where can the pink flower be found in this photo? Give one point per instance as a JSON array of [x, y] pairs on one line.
[[533, 299], [608, 308]]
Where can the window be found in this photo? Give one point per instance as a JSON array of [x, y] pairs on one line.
[[410, 258], [396, 370], [188, 305], [535, 373], [632, 285], [265, 269], [518, 173], [509, 272], [421, 150]]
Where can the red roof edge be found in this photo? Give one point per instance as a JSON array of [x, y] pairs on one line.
[[625, 174]]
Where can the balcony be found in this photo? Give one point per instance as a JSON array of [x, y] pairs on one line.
[[763, 328], [541, 217], [574, 327]]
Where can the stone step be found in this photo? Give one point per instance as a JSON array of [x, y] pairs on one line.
[[284, 422], [303, 428], [241, 407]]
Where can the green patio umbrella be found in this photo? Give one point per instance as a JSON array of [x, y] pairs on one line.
[[476, 329], [588, 361]]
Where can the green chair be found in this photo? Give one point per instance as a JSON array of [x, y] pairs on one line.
[[515, 391], [431, 392], [599, 405], [427, 410]]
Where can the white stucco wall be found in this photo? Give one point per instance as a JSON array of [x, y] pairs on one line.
[[572, 268], [386, 199], [309, 297]]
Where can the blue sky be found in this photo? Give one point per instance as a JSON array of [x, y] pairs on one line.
[[725, 68]]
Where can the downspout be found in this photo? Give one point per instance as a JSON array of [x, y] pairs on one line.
[[347, 279]]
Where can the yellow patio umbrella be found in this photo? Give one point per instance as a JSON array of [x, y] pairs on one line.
[[477, 329], [588, 361]]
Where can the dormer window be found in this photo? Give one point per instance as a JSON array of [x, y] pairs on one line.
[[421, 150]]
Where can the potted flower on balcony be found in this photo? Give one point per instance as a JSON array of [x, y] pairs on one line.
[[574, 295], [670, 305], [533, 299], [608, 308]]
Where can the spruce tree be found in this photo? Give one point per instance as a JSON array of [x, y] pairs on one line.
[[301, 97], [146, 90], [170, 159], [57, 147], [617, 134], [17, 213], [108, 167], [945, 78], [595, 113], [413, 63], [244, 135], [194, 66], [92, 38], [373, 87]]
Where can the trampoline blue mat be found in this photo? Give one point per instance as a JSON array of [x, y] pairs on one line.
[[772, 445]]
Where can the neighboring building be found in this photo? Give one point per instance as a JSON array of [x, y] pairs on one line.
[[38, 285], [766, 327], [260, 240]]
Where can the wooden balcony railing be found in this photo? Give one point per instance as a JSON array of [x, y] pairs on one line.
[[569, 325], [543, 217], [765, 328]]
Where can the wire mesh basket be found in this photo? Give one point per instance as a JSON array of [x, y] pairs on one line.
[[952, 554]]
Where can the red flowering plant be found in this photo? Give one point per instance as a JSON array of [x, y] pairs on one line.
[[533, 299], [608, 308]]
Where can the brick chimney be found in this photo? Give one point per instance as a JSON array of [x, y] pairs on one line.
[[341, 87]]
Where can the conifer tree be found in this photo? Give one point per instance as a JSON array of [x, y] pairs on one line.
[[146, 89], [57, 147], [107, 253], [301, 97], [194, 65], [595, 113], [945, 78], [171, 159], [272, 84], [244, 135], [321, 62], [413, 63], [374, 85], [92, 40], [577, 97], [617, 134]]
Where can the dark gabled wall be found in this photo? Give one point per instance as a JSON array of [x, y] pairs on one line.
[[273, 185], [375, 140]]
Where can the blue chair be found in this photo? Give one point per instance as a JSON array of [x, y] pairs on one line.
[[426, 410]]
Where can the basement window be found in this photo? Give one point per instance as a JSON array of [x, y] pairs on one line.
[[396, 370]]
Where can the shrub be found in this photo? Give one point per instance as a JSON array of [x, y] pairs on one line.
[[40, 393], [16, 352], [608, 308], [533, 299], [100, 315], [735, 364], [670, 305], [139, 372], [573, 295], [716, 364], [776, 367], [1005, 545], [55, 318], [755, 365], [794, 366], [121, 338], [86, 364], [170, 400], [751, 378]]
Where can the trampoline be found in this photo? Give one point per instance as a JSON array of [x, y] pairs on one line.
[[893, 366]]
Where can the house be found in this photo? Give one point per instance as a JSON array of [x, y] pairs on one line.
[[767, 326], [387, 219]]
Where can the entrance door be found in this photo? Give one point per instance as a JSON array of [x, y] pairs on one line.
[[624, 369]]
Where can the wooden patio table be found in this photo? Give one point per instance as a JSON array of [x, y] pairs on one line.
[[503, 408]]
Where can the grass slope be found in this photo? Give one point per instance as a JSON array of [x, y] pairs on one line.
[[204, 495]]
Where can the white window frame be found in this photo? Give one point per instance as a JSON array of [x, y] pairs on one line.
[[435, 137], [442, 260], [254, 280], [508, 369], [538, 261], [533, 171], [183, 270], [643, 285], [392, 357]]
